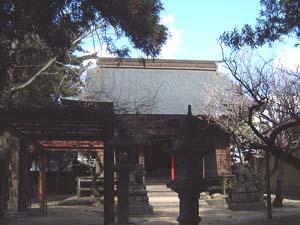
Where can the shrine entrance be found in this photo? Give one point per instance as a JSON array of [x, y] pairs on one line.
[[72, 125]]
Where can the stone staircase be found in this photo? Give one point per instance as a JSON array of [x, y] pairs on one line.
[[163, 198]]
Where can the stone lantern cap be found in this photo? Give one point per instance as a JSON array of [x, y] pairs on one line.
[[126, 144], [198, 136], [122, 141]]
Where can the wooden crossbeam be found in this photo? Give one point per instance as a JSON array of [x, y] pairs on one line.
[[72, 145]]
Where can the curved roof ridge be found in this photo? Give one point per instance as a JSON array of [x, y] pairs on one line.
[[203, 65]]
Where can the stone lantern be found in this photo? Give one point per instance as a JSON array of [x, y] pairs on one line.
[[188, 152], [124, 146]]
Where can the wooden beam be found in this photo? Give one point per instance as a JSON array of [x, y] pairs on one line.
[[62, 137], [23, 193], [72, 114], [60, 149], [75, 146], [42, 179]]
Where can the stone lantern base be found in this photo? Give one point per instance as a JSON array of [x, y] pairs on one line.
[[188, 194], [138, 200], [188, 208]]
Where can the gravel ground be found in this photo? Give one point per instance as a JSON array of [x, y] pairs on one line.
[[289, 215], [85, 212]]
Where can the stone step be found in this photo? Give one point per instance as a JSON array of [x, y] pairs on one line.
[[158, 188], [175, 206], [162, 197], [155, 200], [163, 194], [163, 200]]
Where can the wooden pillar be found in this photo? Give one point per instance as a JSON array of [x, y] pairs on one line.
[[142, 160], [109, 201], [123, 196], [141, 156], [42, 179], [23, 193], [172, 167], [2, 183]]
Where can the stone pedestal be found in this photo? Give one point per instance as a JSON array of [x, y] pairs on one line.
[[244, 193], [188, 208], [188, 194], [239, 206], [138, 198]]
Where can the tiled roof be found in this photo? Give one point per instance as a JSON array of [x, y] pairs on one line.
[[157, 87]]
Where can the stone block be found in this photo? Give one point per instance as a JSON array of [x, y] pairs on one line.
[[217, 196], [260, 205], [138, 200], [204, 195], [203, 203], [218, 203]]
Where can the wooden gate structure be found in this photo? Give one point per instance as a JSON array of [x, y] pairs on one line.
[[74, 122]]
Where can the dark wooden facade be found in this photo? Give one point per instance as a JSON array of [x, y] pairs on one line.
[[74, 121], [218, 163], [156, 133]]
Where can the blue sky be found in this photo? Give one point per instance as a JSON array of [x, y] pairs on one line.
[[195, 26], [198, 24]]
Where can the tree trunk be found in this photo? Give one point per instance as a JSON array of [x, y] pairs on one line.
[[98, 172], [268, 186], [240, 154], [279, 182]]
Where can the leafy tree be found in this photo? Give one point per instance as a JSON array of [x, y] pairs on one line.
[[277, 19], [43, 38], [40, 44], [272, 112]]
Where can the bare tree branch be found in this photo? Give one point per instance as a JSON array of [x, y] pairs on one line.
[[28, 82], [52, 60]]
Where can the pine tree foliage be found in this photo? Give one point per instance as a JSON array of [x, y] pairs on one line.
[[277, 19], [40, 40]]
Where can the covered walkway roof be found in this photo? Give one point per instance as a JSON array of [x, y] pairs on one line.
[[72, 125]]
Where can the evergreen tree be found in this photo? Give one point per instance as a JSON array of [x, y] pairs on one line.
[[39, 39], [277, 19]]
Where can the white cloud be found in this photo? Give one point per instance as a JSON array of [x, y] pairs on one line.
[[101, 51], [169, 51], [173, 44], [288, 58]]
